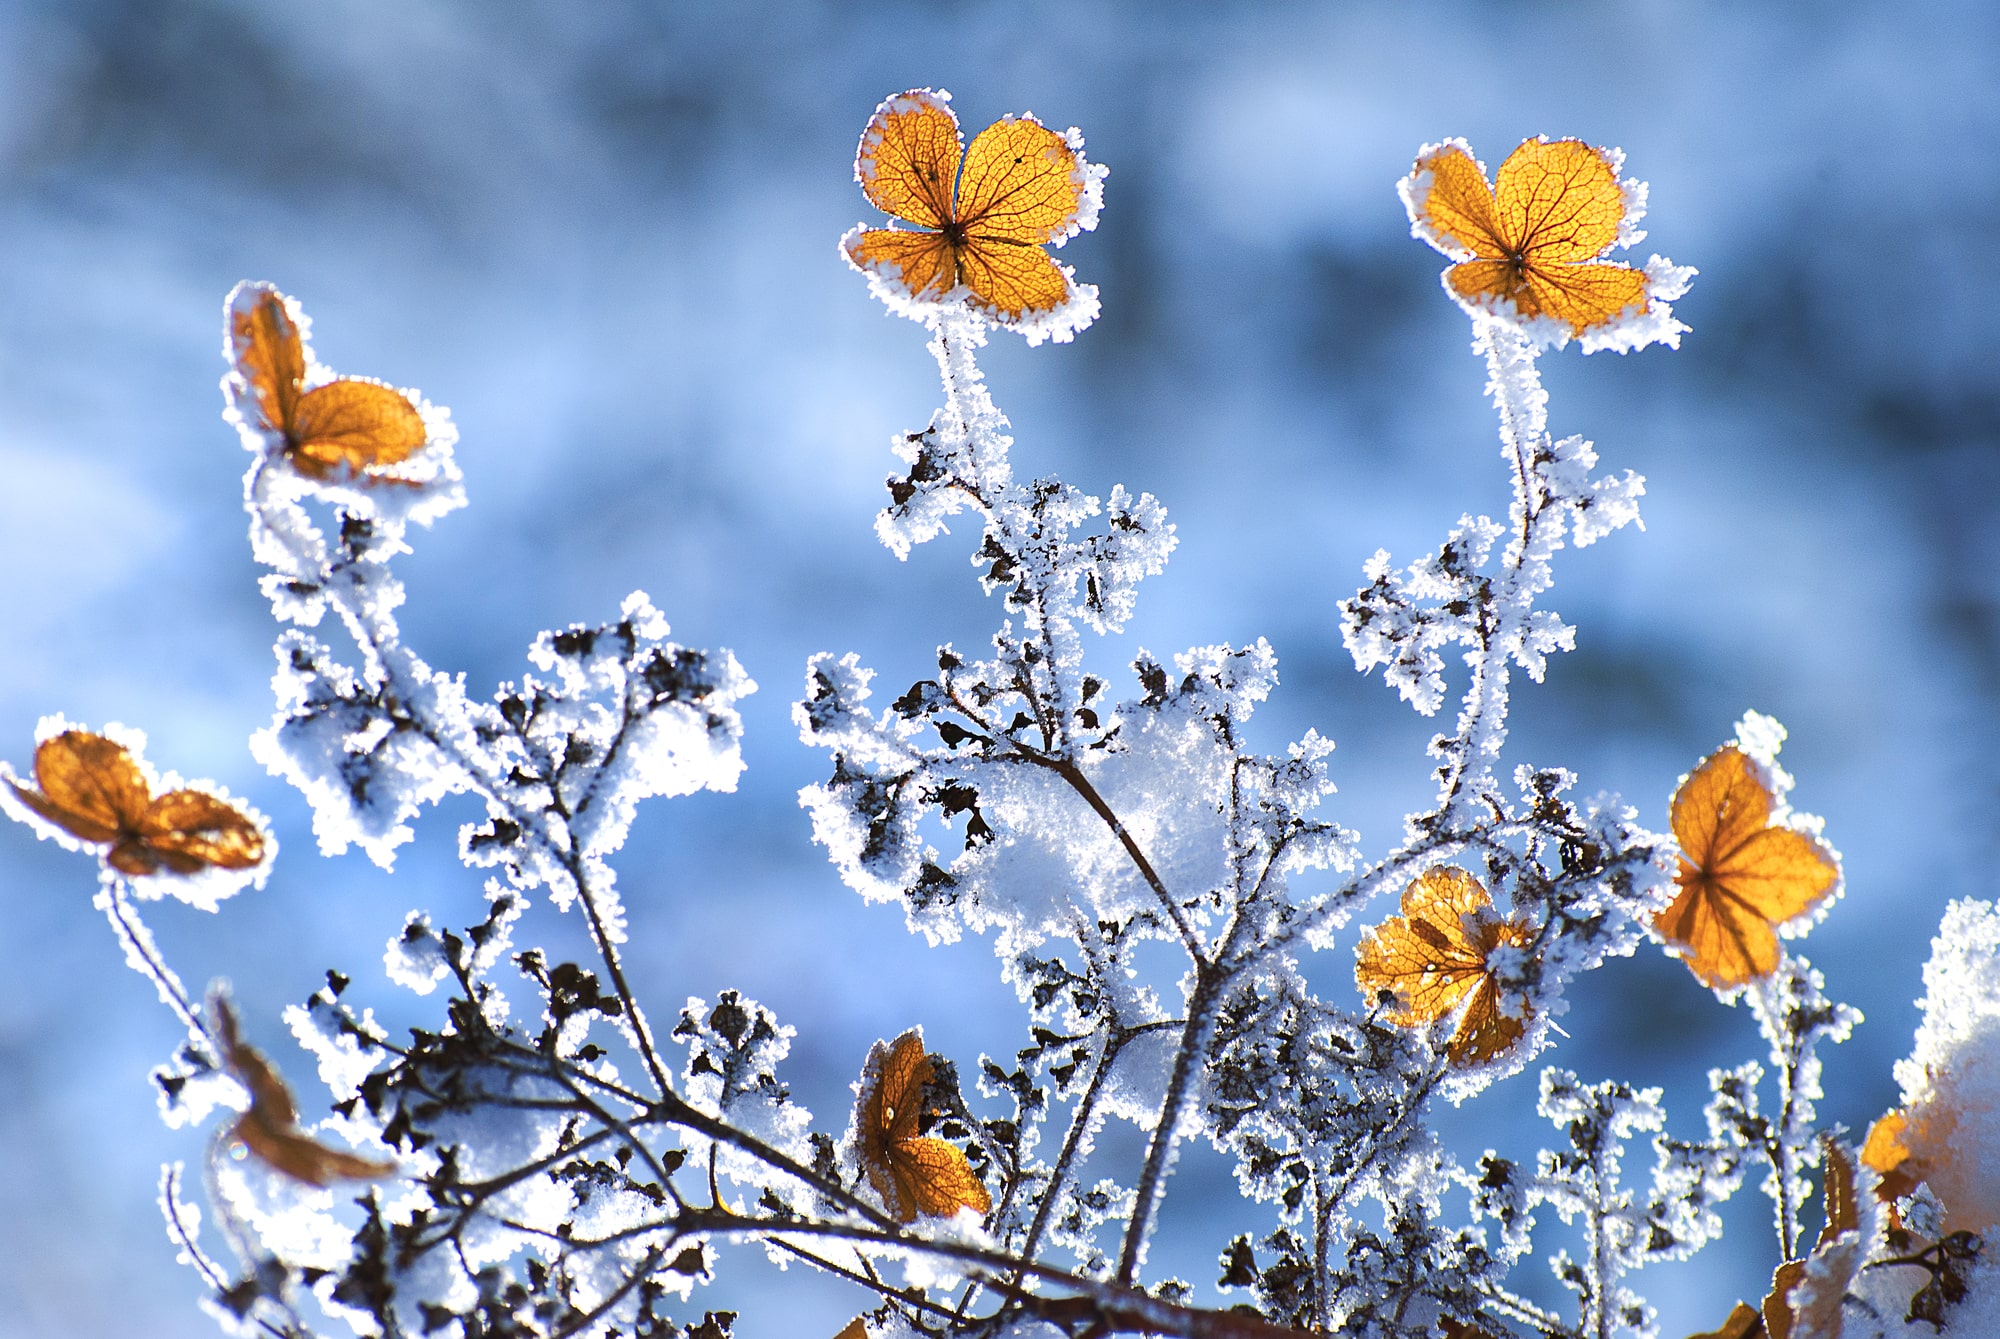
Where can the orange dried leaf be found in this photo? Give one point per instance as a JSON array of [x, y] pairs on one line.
[[1778, 1318], [1843, 1212], [269, 1129], [94, 789], [1745, 1322], [1433, 958], [1886, 1151], [1533, 240], [350, 425], [986, 213], [913, 1173], [1924, 1144], [1740, 877], [854, 1329]]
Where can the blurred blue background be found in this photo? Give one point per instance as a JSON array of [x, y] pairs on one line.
[[604, 235]]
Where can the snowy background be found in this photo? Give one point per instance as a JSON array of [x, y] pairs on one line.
[[604, 235]]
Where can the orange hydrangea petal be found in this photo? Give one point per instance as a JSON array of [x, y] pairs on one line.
[[87, 826], [1011, 281], [1484, 1031], [935, 1177], [908, 160], [1458, 209], [1740, 878], [1021, 184], [1583, 295], [1558, 201], [1424, 955], [1724, 945], [915, 1175], [194, 829], [270, 1128], [355, 425], [90, 786], [1884, 1149], [270, 355], [1484, 281], [1432, 961], [923, 262]]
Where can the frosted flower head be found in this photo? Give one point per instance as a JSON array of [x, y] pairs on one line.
[[373, 449], [95, 792], [1531, 248], [982, 217]]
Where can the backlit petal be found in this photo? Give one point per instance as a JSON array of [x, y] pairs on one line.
[[1011, 281], [1558, 201], [908, 160], [921, 263], [1022, 183], [354, 425], [1451, 204]]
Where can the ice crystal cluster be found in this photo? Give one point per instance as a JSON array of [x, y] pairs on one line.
[[561, 1152]]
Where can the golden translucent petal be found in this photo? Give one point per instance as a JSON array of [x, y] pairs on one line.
[[923, 262], [1459, 206], [190, 829], [913, 1174], [1885, 1150], [353, 425], [909, 156], [1011, 281], [1583, 295], [1424, 955], [270, 356], [84, 825], [933, 1178], [1484, 1031], [1719, 807], [1486, 281], [89, 785], [1739, 877], [1558, 202], [1433, 957], [1020, 184], [1726, 944]]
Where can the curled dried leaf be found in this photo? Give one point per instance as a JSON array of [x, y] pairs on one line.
[[269, 1129], [913, 1173]]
